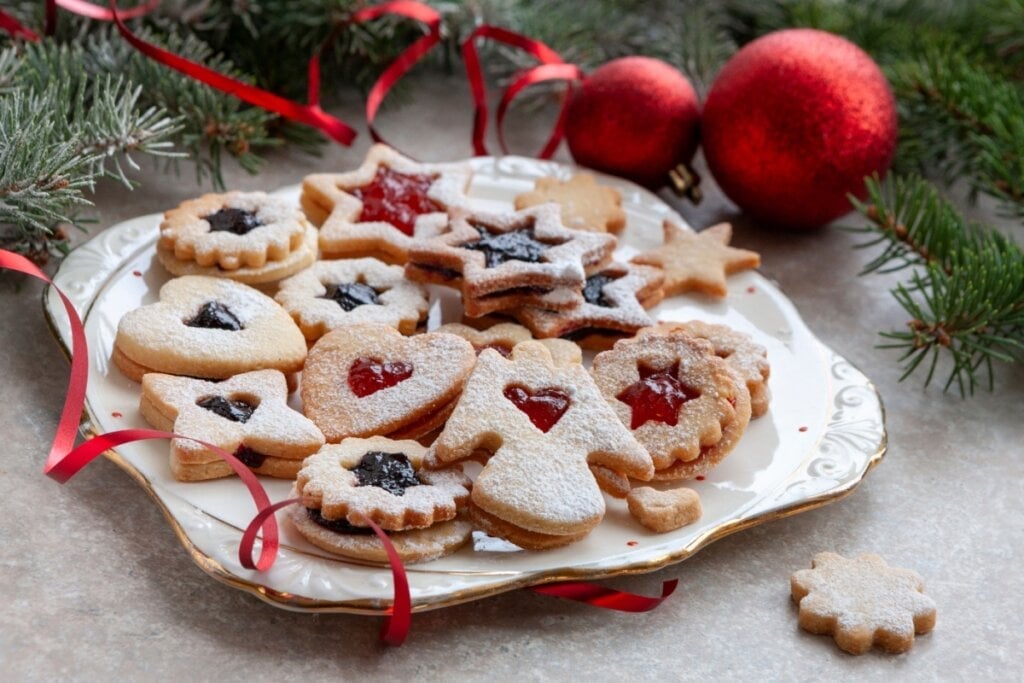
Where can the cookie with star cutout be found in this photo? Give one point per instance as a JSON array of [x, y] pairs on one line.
[[379, 208], [503, 261], [862, 602], [680, 400], [613, 306], [585, 205], [246, 415], [543, 427], [363, 380], [698, 261], [332, 294], [208, 327], [381, 480]]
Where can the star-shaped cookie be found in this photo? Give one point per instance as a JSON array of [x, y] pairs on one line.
[[377, 209], [862, 602], [247, 416], [585, 205], [698, 261]]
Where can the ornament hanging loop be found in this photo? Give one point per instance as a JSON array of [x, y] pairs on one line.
[[686, 183]]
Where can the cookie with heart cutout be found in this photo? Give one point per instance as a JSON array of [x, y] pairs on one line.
[[680, 400], [503, 337], [233, 230], [745, 356], [539, 427], [379, 208], [504, 261], [613, 306], [246, 415], [363, 380], [332, 294], [208, 327]]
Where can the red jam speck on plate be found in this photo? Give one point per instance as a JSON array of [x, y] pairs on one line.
[[137, 273], [544, 407], [699, 477], [657, 396], [116, 413], [369, 375], [632, 543], [396, 198]]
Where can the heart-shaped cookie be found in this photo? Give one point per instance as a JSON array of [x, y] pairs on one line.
[[362, 380], [663, 511], [208, 327]]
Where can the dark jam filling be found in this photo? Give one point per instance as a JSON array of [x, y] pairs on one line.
[[235, 410], [657, 396], [544, 407], [237, 221], [215, 316], [338, 526], [584, 332], [518, 291], [499, 247], [396, 198], [440, 271], [389, 471], [249, 457], [350, 295], [368, 375], [593, 290]]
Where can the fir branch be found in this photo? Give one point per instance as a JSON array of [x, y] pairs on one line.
[[965, 295]]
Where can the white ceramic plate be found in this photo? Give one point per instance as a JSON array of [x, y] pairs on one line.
[[824, 430]]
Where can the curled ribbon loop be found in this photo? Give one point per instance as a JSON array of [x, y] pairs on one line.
[[607, 598], [15, 28], [409, 57], [552, 67], [91, 11]]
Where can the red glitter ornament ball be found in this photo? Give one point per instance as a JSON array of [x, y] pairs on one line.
[[635, 117], [794, 122]]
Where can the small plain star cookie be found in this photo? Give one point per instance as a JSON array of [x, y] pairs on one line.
[[862, 602], [698, 262], [584, 204]]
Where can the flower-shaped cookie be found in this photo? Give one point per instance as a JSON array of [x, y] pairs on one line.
[[247, 415], [233, 230], [862, 602], [331, 294], [377, 209], [503, 337], [680, 400], [613, 306], [584, 204], [208, 327], [698, 261], [745, 356], [502, 261], [543, 425], [382, 480]]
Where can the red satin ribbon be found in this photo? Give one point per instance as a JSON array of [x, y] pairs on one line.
[[399, 620], [552, 67], [91, 11], [409, 57], [606, 598], [15, 28]]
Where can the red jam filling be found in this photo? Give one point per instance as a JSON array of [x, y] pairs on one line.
[[396, 198], [368, 375], [544, 407], [658, 395]]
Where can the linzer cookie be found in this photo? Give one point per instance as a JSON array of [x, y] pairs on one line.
[[540, 427], [503, 261], [862, 602], [698, 261], [381, 480], [613, 306], [208, 327], [681, 401], [745, 356], [503, 337], [362, 380], [247, 415], [377, 209], [584, 204], [331, 294]]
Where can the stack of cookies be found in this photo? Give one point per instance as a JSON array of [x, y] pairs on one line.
[[391, 411]]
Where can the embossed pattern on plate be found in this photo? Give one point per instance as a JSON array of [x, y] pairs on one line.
[[824, 431]]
